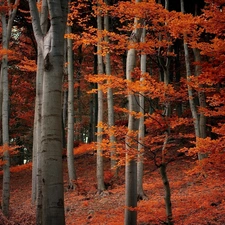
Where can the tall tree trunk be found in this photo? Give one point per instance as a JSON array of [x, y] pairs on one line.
[[111, 120], [165, 65], [201, 95], [94, 104], [190, 90], [65, 112], [5, 138], [202, 103], [100, 167], [6, 34], [80, 136], [70, 134], [141, 130], [51, 115], [37, 159], [131, 164]]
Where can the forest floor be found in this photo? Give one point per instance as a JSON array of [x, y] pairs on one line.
[[196, 199]]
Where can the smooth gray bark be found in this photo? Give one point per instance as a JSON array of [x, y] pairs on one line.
[[202, 103], [7, 22], [100, 166], [52, 45], [37, 153], [190, 90], [201, 95], [70, 127], [131, 164], [37, 156], [110, 102], [141, 130], [133, 123]]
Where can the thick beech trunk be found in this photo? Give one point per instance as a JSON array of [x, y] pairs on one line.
[[100, 166], [51, 114]]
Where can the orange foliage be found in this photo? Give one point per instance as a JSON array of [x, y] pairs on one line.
[[195, 199], [84, 149]]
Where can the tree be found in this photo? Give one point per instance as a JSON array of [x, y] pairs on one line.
[[192, 103], [37, 158], [70, 133], [131, 164], [111, 116], [51, 45], [100, 169], [6, 34], [141, 129]]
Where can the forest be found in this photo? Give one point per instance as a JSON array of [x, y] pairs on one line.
[[112, 112]]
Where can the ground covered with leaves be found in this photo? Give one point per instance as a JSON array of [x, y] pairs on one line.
[[198, 197]]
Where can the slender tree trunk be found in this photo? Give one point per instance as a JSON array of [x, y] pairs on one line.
[[133, 123], [190, 90], [94, 104], [80, 130], [65, 114], [5, 138], [100, 167], [131, 164], [201, 95], [141, 133], [70, 134], [111, 120], [202, 103], [165, 65], [37, 153], [6, 34], [65, 107]]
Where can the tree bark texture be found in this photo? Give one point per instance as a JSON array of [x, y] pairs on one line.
[[133, 123], [7, 22], [111, 119], [70, 134], [190, 90], [52, 45], [100, 166], [141, 130]]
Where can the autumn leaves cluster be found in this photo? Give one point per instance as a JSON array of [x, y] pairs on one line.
[[166, 33]]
